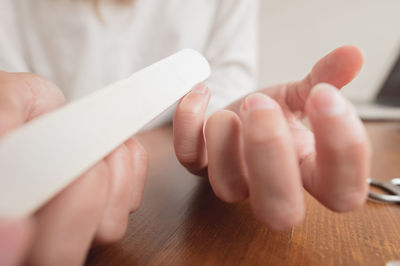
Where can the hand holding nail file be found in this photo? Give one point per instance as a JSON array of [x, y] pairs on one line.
[[42, 157]]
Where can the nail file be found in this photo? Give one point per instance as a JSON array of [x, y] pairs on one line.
[[42, 157]]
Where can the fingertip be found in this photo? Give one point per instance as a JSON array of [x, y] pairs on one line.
[[140, 162], [111, 230], [226, 168], [115, 216], [201, 89], [283, 218], [343, 151], [353, 51], [346, 202], [215, 119], [120, 153], [188, 129], [325, 101], [137, 150], [195, 101], [339, 67], [353, 58], [44, 96], [257, 101]]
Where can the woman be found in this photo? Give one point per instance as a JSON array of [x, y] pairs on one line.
[[255, 148]]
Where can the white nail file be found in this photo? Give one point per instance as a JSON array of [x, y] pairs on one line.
[[42, 157]]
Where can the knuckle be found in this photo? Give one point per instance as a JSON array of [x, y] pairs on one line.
[[125, 154], [123, 150], [140, 152], [137, 150], [34, 80], [101, 169], [143, 157], [34, 92], [40, 86]]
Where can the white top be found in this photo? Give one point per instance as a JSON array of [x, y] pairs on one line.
[[81, 51]]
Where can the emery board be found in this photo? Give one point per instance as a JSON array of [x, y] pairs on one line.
[[42, 157]]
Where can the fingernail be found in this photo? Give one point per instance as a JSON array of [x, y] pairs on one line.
[[258, 101], [196, 100], [200, 89], [327, 100]]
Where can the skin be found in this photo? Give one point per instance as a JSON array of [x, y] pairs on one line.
[[256, 148], [63, 230]]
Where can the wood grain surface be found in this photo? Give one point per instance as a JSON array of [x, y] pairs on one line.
[[181, 222]]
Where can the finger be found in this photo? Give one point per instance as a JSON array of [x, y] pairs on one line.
[[274, 179], [338, 68], [337, 175], [115, 217], [140, 163], [15, 237], [24, 96], [226, 168], [188, 129], [65, 227]]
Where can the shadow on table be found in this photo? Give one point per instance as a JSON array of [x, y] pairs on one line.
[[217, 233]]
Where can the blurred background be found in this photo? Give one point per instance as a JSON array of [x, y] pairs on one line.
[[294, 34]]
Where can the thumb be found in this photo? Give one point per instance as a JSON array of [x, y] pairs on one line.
[[23, 96], [14, 241], [337, 68]]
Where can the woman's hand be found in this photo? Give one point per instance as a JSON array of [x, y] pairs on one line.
[[95, 207], [259, 148]]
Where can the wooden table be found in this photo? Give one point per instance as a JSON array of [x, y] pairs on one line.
[[181, 222]]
